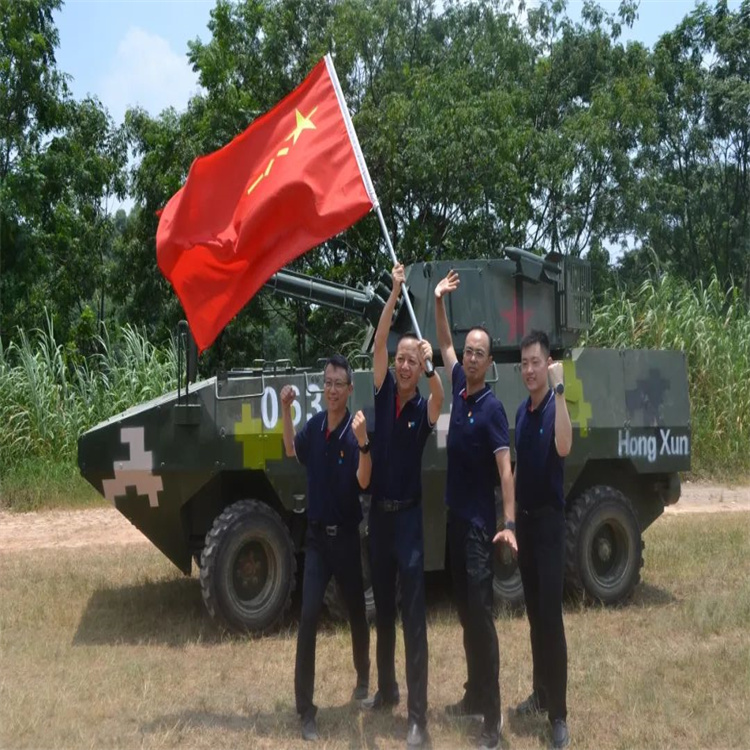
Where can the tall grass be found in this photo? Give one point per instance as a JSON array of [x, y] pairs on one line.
[[712, 327], [48, 397]]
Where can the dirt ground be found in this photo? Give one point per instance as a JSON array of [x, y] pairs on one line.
[[83, 528]]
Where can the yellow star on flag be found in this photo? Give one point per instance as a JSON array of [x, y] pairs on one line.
[[303, 123]]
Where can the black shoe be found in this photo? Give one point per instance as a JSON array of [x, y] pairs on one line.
[[379, 701], [530, 707], [463, 710], [360, 691], [489, 739], [560, 736], [416, 734], [310, 729]]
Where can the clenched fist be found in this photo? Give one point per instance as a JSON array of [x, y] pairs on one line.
[[359, 427], [398, 277], [287, 396], [425, 352], [555, 373]]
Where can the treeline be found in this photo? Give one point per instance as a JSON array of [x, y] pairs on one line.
[[482, 127]]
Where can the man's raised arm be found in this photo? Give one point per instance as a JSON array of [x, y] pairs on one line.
[[380, 349], [445, 341]]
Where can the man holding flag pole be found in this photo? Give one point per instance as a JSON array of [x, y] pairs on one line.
[[403, 422]]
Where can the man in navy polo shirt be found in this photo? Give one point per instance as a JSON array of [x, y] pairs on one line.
[[334, 449], [478, 450], [544, 437], [403, 422]]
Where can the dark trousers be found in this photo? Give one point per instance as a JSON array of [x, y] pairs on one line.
[[471, 560], [541, 561], [397, 547], [326, 556]]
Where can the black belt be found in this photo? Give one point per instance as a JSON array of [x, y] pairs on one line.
[[391, 506], [331, 529], [542, 510]]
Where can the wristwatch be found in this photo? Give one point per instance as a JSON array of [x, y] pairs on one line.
[[365, 448], [560, 389], [510, 526]]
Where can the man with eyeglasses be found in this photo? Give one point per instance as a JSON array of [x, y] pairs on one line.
[[404, 420], [334, 449], [478, 450]]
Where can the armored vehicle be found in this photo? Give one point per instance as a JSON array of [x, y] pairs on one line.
[[202, 473]]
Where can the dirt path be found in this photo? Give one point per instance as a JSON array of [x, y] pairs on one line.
[[105, 526]]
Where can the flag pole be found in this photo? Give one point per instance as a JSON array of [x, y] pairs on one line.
[[369, 187]]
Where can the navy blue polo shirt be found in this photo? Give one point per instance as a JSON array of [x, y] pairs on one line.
[[539, 470], [331, 461], [478, 430], [398, 444]]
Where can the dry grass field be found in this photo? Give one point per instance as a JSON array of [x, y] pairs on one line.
[[110, 647]]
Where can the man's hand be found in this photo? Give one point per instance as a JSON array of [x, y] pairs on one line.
[[287, 397], [424, 351], [555, 373], [506, 536], [359, 428], [447, 285], [398, 277]]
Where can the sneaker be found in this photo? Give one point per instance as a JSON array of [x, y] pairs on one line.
[[360, 691], [560, 736], [416, 734], [463, 710], [379, 701], [489, 739], [530, 707], [309, 729]]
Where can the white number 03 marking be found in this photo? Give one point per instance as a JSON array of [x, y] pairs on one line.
[[269, 407]]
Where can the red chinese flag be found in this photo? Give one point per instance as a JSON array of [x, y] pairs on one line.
[[293, 179]]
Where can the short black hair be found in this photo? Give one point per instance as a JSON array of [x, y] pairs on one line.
[[485, 332], [340, 361], [536, 337]]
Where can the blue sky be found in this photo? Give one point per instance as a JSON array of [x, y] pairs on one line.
[[130, 52]]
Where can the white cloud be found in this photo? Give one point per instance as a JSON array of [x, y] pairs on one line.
[[146, 71]]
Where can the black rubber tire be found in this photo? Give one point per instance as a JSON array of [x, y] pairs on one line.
[[251, 534], [335, 602], [506, 583], [604, 549]]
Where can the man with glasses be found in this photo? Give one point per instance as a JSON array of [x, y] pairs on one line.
[[334, 449], [403, 422], [478, 449]]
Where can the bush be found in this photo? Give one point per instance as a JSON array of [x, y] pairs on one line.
[[48, 397]]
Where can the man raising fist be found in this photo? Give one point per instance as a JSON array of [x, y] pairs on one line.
[[543, 438]]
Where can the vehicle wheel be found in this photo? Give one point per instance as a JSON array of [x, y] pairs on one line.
[[247, 567], [334, 601], [604, 550], [506, 582]]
